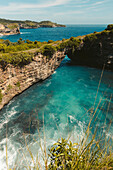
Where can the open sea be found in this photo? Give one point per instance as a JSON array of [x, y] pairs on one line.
[[60, 106]]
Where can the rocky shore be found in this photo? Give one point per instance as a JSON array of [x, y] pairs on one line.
[[93, 50], [14, 80], [9, 29]]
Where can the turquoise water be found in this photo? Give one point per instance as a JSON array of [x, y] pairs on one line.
[[63, 100]]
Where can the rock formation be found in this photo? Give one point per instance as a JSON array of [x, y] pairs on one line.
[[14, 80], [9, 29], [94, 50]]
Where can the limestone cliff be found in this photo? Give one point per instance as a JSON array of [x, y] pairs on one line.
[[9, 29], [14, 80], [94, 50]]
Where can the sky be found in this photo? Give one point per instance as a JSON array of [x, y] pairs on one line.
[[60, 11]]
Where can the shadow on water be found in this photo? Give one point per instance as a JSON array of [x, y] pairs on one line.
[[24, 122]]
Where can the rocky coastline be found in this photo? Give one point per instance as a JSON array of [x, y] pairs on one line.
[[14, 80], [93, 50], [10, 27]]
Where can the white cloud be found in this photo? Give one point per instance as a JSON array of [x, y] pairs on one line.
[[19, 7]]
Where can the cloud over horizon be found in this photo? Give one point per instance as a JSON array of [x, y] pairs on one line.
[[48, 9]]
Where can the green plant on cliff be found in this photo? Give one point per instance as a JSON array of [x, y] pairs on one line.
[[48, 50], [18, 84], [1, 95], [7, 47], [17, 59], [109, 27], [90, 37], [50, 41], [12, 26], [9, 87], [71, 43]]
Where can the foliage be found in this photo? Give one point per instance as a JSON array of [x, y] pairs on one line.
[[50, 41], [90, 38], [17, 59], [29, 23], [12, 26], [67, 156], [48, 50], [104, 32], [109, 27], [63, 154], [18, 84], [69, 44], [6, 46], [9, 87]]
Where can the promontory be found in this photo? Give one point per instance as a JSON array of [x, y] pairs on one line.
[[9, 27]]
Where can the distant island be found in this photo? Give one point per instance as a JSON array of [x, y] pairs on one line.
[[9, 27]]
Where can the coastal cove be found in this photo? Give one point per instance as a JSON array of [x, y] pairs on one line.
[[63, 98]]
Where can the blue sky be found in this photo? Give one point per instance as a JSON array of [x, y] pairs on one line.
[[60, 11]]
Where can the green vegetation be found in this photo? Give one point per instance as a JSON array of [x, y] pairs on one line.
[[12, 26], [48, 50], [9, 87], [66, 155], [69, 44], [49, 24], [17, 59], [7, 47], [105, 32], [31, 24], [19, 53], [1, 95], [109, 27], [22, 52], [50, 41], [90, 37], [18, 84]]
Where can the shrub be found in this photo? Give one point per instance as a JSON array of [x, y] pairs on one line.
[[50, 41], [18, 84], [48, 50], [66, 155], [17, 59], [104, 32], [29, 42], [9, 87], [63, 39], [90, 37], [109, 27]]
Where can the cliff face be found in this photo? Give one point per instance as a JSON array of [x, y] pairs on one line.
[[14, 80], [9, 29], [30, 24], [94, 50]]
